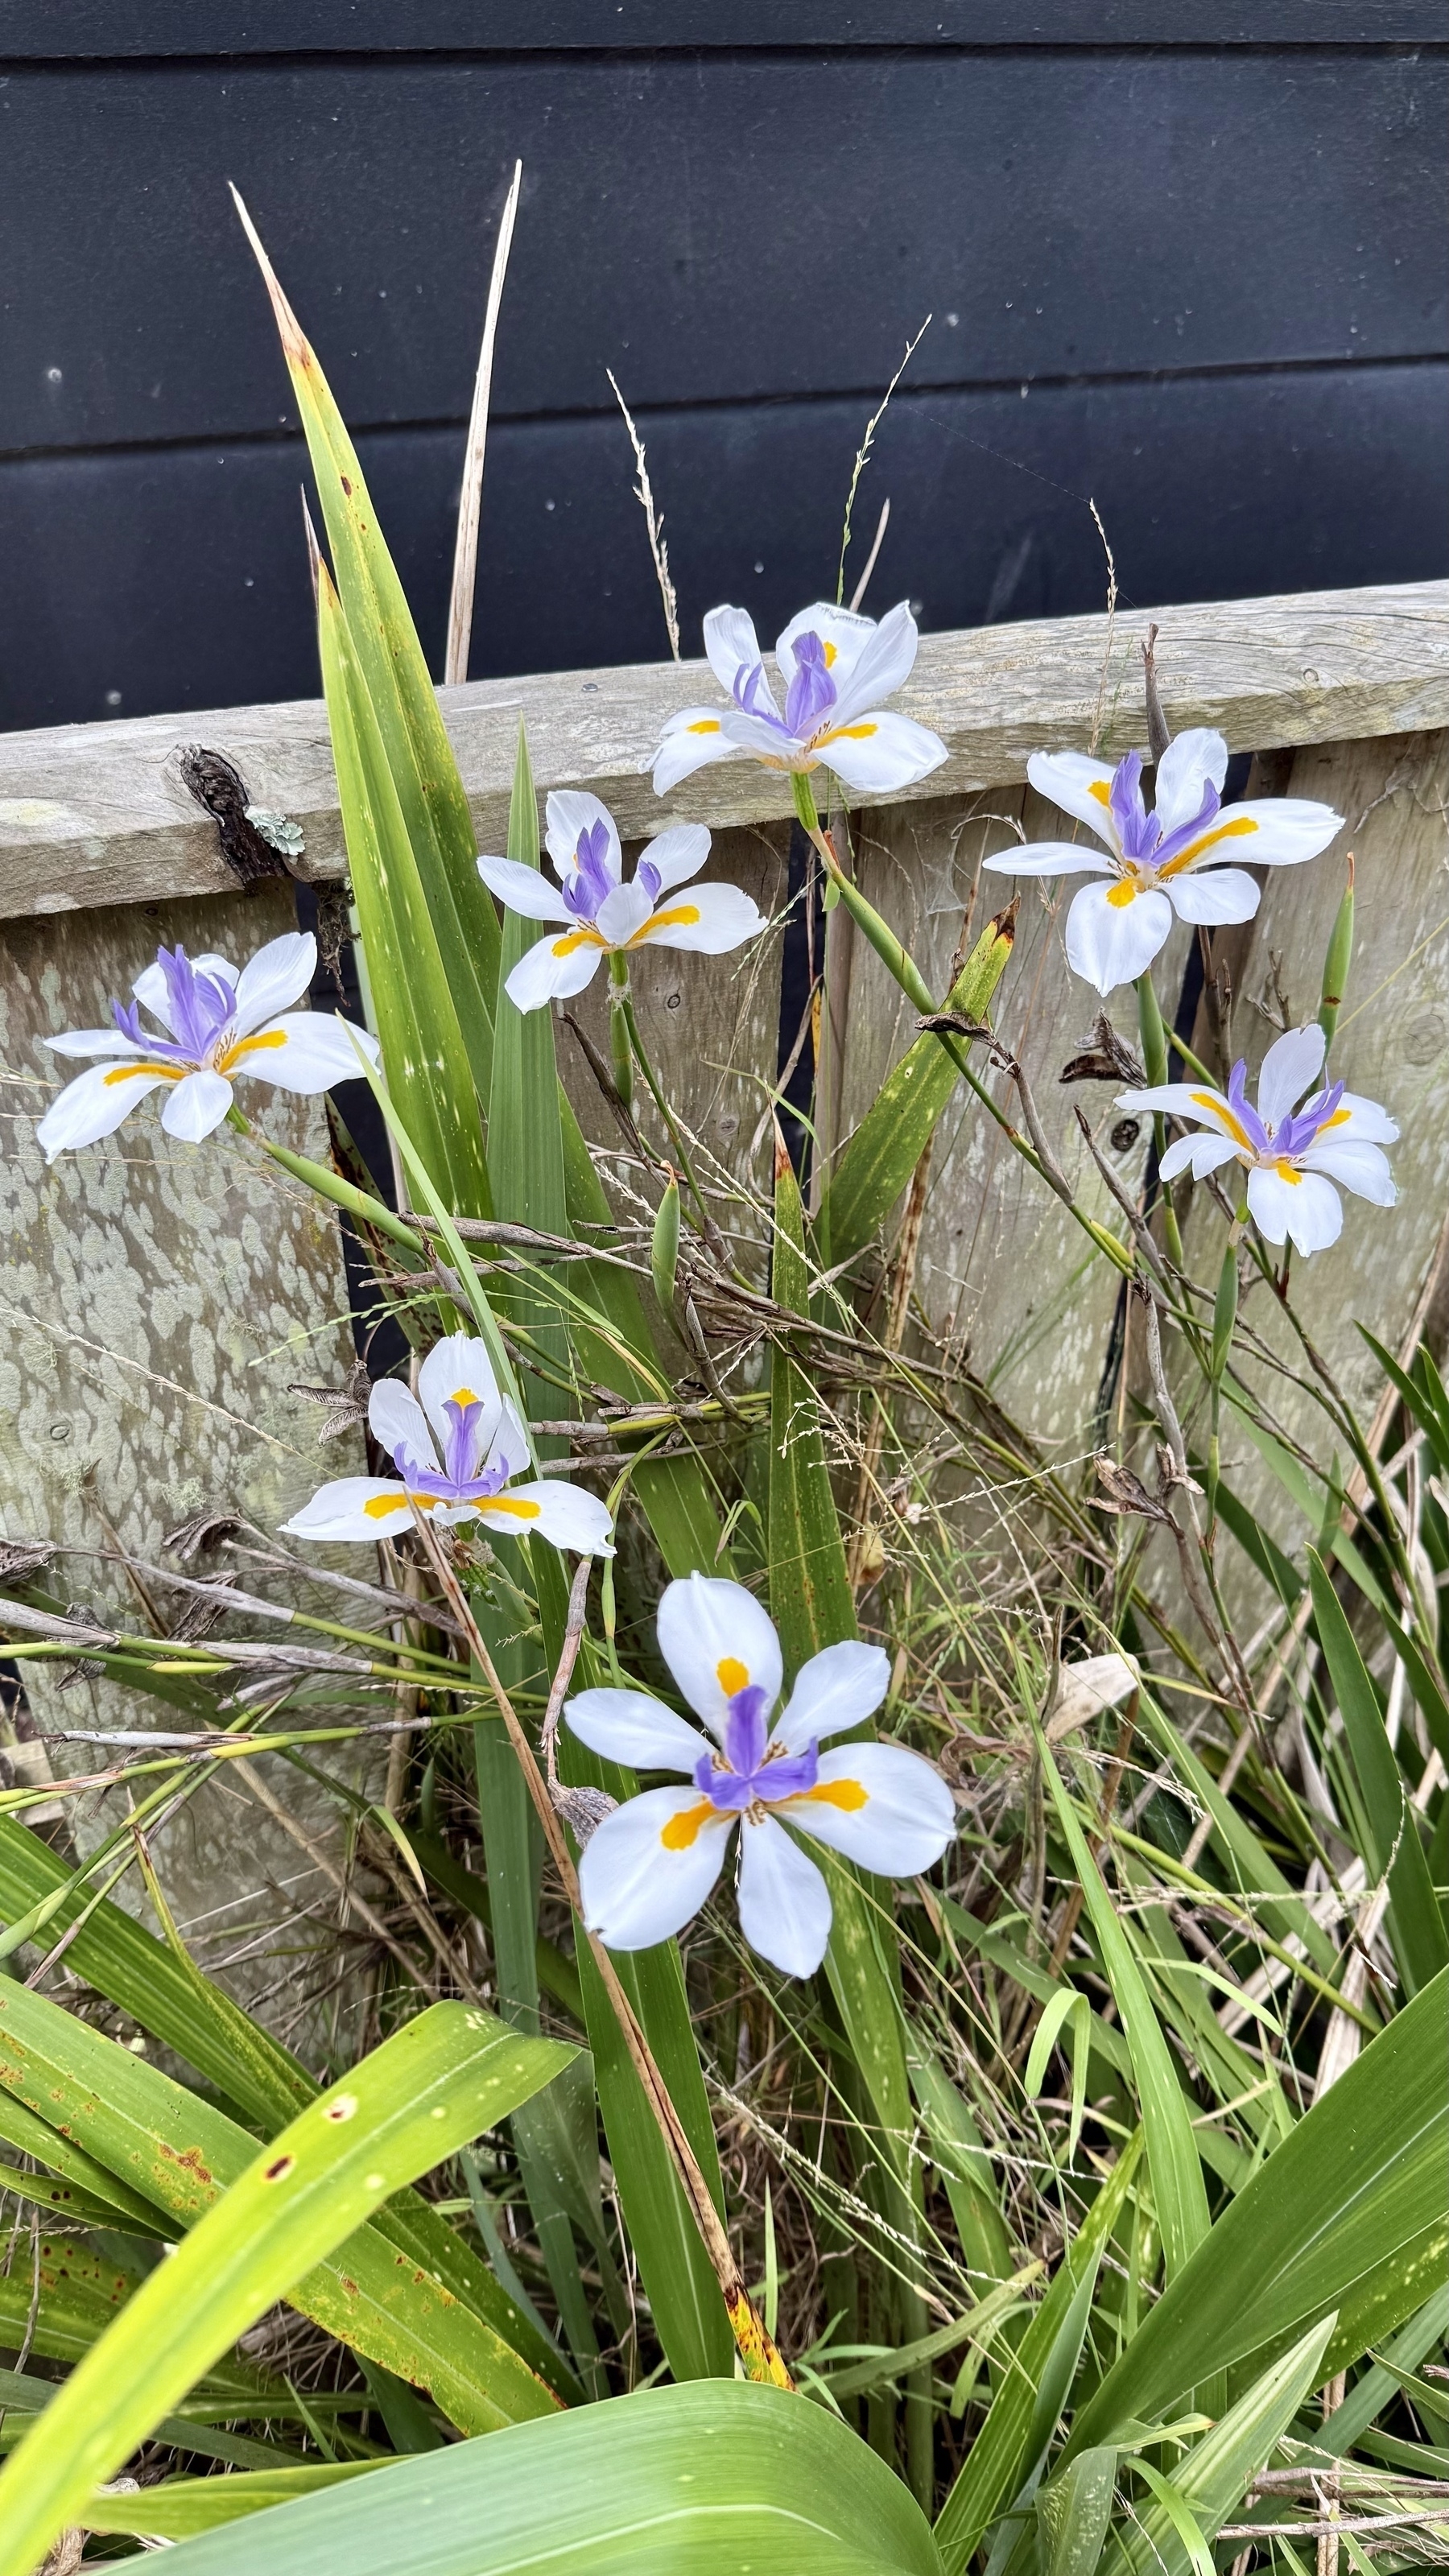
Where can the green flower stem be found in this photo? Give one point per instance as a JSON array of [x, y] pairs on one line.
[[907, 974], [707, 1225], [1154, 1058], [330, 1185], [619, 1032]]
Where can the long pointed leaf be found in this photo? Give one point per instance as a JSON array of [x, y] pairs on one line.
[[165, 1995], [671, 2482], [1416, 1924], [417, 2099], [1349, 2214], [1172, 2151]]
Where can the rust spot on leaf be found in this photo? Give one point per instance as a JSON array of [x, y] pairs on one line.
[[189, 2160], [279, 2171], [346, 486]]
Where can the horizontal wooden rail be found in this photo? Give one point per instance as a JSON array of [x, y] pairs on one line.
[[97, 814]]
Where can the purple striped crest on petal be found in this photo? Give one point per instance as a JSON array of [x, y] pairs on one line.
[[1186, 833], [1298, 1132], [752, 697], [746, 1728], [812, 691], [591, 886], [1138, 832], [1246, 1116], [127, 1017], [461, 1446], [647, 875], [201, 1006], [789, 1775]]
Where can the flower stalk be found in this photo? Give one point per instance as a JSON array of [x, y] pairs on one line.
[[757, 2348]]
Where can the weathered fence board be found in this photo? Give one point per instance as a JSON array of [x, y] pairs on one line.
[[155, 1300], [93, 814]]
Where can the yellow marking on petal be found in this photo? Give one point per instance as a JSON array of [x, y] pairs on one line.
[[510, 1504], [1101, 789], [1286, 1172], [680, 1831], [133, 1072], [848, 1794], [831, 655], [463, 1395], [573, 939], [1336, 1120], [380, 1507], [1125, 891], [732, 1675], [845, 733], [680, 916], [1219, 1110], [250, 1046], [704, 724], [1241, 828]]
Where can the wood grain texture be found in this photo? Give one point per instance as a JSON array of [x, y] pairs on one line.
[[155, 1299], [96, 814], [1008, 1281], [1392, 1045]]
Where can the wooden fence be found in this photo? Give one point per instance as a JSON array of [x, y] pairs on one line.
[[156, 1300]]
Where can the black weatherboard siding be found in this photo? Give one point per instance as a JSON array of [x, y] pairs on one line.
[[1189, 260]]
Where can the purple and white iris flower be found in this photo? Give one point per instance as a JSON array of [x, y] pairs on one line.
[[836, 668], [602, 911], [217, 1023], [1292, 1157], [1173, 860], [457, 1444], [651, 1864]]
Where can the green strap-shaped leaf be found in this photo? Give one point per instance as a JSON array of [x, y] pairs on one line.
[[464, 925], [80, 2175], [424, 1057], [412, 2103], [877, 1163], [163, 1993], [810, 1596], [813, 1606], [1416, 1925], [418, 753], [525, 1141], [1073, 2513], [1178, 2189], [1216, 2473], [80, 2294], [958, 2152], [693, 2481], [1036, 2381], [179, 2154], [688, 2308], [179, 2508], [1349, 2214]]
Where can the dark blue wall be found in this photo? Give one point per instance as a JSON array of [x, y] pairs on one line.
[[1187, 259]]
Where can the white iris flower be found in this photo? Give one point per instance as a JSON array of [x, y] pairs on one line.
[[836, 668], [603, 913], [1292, 1158], [1172, 860], [650, 1865], [457, 1444], [218, 1023]]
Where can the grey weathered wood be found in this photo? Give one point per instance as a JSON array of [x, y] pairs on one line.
[[155, 1300], [95, 814], [1392, 1045]]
